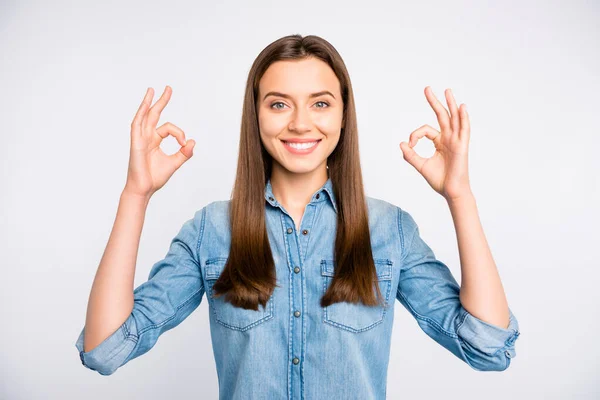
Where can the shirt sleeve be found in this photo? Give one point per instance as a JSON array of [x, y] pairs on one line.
[[428, 290], [174, 289]]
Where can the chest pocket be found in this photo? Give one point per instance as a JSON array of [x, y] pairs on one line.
[[358, 317], [225, 313]]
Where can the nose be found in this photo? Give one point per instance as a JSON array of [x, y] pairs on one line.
[[300, 121]]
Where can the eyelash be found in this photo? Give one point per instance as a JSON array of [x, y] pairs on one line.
[[279, 102]]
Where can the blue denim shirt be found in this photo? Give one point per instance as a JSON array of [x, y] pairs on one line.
[[294, 348]]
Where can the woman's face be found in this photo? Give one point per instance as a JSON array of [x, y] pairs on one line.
[[299, 100]]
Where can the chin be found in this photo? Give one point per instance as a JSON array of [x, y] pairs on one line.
[[299, 168]]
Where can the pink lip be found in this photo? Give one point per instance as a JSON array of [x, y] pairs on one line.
[[300, 140], [301, 151]]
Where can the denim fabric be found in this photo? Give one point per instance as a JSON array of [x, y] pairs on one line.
[[294, 348]]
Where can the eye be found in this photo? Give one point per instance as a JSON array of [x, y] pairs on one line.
[[277, 102]]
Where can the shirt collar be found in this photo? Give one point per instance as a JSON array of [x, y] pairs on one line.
[[324, 193]]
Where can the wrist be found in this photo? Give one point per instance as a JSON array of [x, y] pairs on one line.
[[128, 194], [465, 198]]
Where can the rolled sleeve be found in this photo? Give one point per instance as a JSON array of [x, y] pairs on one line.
[[486, 338], [174, 289], [428, 290], [109, 355]]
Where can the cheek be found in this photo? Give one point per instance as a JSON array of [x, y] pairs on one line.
[[328, 122], [271, 125]]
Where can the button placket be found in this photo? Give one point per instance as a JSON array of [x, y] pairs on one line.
[[294, 247]]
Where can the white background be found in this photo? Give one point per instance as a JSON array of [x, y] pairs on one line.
[[73, 74]]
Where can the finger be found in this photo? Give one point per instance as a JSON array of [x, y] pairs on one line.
[[455, 117], [425, 130], [154, 113], [136, 124], [185, 153], [168, 128], [442, 114], [465, 124], [411, 156]]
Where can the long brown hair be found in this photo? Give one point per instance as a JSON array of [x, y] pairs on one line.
[[249, 277]]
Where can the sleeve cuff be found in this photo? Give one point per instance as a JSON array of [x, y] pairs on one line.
[[488, 338], [112, 352]]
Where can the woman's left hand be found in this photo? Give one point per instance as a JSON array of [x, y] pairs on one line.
[[446, 170]]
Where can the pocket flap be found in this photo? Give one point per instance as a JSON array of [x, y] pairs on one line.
[[214, 267], [383, 266]]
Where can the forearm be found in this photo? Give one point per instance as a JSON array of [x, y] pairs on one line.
[[111, 297], [481, 292]]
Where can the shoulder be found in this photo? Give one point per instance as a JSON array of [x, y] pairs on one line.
[[388, 221], [216, 216], [217, 208], [382, 210], [380, 206], [383, 215], [215, 213]]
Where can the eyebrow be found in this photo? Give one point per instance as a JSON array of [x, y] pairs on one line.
[[287, 96]]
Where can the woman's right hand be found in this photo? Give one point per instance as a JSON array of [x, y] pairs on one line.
[[149, 167]]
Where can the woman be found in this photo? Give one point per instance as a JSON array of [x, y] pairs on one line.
[[300, 268]]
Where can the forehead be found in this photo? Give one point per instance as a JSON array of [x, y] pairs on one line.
[[299, 77]]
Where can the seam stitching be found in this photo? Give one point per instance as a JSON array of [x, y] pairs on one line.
[[428, 320], [154, 326]]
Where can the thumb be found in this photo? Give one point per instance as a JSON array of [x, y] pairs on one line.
[[410, 155], [184, 153]]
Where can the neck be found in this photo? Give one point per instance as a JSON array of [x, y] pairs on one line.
[[294, 190]]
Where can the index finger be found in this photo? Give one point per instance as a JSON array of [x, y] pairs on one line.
[[137, 120], [440, 111], [153, 115]]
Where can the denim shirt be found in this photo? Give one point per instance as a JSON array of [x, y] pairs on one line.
[[294, 348]]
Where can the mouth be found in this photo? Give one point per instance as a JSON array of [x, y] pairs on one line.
[[301, 148]]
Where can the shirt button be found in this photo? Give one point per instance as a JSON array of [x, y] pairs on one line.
[[507, 354], [271, 198], [296, 313], [318, 195], [305, 232], [290, 230], [295, 360], [296, 269]]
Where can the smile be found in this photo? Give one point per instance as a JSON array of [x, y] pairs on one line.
[[301, 148]]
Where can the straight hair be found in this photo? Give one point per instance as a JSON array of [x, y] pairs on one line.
[[249, 278]]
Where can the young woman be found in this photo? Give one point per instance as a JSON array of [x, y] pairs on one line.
[[300, 268]]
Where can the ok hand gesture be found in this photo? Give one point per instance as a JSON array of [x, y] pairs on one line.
[[149, 167], [447, 170]]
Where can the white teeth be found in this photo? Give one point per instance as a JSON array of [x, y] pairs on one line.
[[307, 145]]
